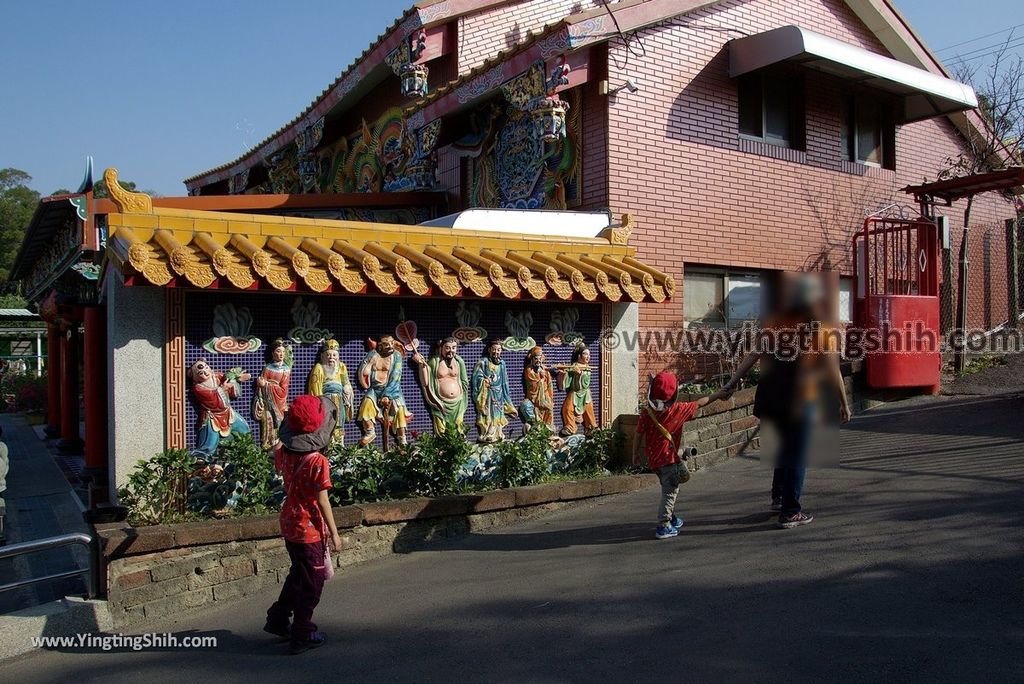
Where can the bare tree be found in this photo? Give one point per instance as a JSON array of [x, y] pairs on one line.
[[992, 144]]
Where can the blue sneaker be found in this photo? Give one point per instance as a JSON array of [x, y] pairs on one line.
[[677, 522], [665, 531]]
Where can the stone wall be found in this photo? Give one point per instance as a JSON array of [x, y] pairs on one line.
[[153, 572]]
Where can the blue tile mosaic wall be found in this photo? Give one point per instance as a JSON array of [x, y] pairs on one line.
[[352, 320]]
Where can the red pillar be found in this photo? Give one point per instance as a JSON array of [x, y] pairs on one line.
[[53, 353], [70, 439], [95, 387]]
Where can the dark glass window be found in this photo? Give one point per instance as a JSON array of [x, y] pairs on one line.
[[771, 107], [867, 132]]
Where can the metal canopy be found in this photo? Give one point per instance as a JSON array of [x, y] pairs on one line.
[[953, 189], [924, 94]]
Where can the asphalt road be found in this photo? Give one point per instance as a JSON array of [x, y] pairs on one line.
[[912, 571]]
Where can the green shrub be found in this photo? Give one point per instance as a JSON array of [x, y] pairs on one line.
[[249, 472], [430, 465], [595, 451], [524, 461], [23, 392], [156, 489], [359, 473]]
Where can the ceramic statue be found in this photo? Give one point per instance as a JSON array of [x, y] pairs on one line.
[[578, 406], [380, 375], [445, 384], [213, 392], [491, 395], [538, 403], [270, 401], [329, 378]]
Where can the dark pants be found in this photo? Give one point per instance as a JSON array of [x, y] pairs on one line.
[[301, 590], [791, 461]]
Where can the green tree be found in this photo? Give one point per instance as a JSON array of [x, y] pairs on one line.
[[99, 188], [17, 204]]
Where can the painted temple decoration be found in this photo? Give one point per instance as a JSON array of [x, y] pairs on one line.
[[467, 314], [239, 182], [270, 399], [308, 165], [538, 405], [406, 333], [547, 111], [231, 331], [226, 266], [444, 383], [216, 418], [518, 326], [509, 167], [563, 327], [306, 322], [367, 160], [492, 396], [329, 377], [380, 377], [578, 406], [402, 60]]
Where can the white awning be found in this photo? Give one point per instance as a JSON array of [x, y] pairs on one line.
[[924, 94]]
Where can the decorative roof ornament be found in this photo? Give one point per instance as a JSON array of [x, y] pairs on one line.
[[547, 111], [413, 80], [127, 202]]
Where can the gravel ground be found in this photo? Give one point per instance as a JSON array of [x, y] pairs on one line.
[[1003, 379]]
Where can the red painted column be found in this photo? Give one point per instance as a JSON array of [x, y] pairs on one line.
[[53, 354], [70, 439], [95, 387]]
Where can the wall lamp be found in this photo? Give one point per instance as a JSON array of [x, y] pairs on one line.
[[629, 85]]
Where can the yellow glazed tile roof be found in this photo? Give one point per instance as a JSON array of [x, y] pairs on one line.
[[186, 248]]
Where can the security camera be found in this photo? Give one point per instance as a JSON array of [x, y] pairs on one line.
[[630, 85]]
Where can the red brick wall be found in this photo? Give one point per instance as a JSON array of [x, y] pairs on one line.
[[702, 196], [483, 34]]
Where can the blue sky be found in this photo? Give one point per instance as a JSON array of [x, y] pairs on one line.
[[164, 90]]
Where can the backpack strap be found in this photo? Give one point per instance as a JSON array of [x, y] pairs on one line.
[[661, 428]]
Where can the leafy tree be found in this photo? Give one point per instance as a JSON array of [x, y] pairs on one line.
[[99, 188], [17, 204]]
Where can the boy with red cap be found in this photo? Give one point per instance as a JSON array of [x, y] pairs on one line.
[[660, 428], [307, 521]]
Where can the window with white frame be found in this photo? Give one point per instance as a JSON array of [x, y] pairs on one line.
[[722, 298]]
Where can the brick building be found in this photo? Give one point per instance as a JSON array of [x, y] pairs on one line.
[[721, 201]]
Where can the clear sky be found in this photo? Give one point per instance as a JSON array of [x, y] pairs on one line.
[[165, 90]]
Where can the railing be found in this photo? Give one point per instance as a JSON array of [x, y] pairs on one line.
[[37, 545]]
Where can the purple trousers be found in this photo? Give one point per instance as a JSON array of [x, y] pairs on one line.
[[301, 590]]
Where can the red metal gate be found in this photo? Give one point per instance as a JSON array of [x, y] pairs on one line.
[[896, 301]]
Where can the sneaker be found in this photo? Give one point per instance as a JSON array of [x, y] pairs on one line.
[[665, 531], [283, 631], [312, 641], [677, 522], [794, 520], [776, 504]]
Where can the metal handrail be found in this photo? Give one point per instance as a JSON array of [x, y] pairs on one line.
[[52, 543]]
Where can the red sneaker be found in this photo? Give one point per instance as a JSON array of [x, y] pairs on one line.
[[794, 520]]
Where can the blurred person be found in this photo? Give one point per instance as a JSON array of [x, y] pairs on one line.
[[799, 355]]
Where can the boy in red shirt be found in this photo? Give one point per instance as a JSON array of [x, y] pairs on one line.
[[307, 521], [660, 428]]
